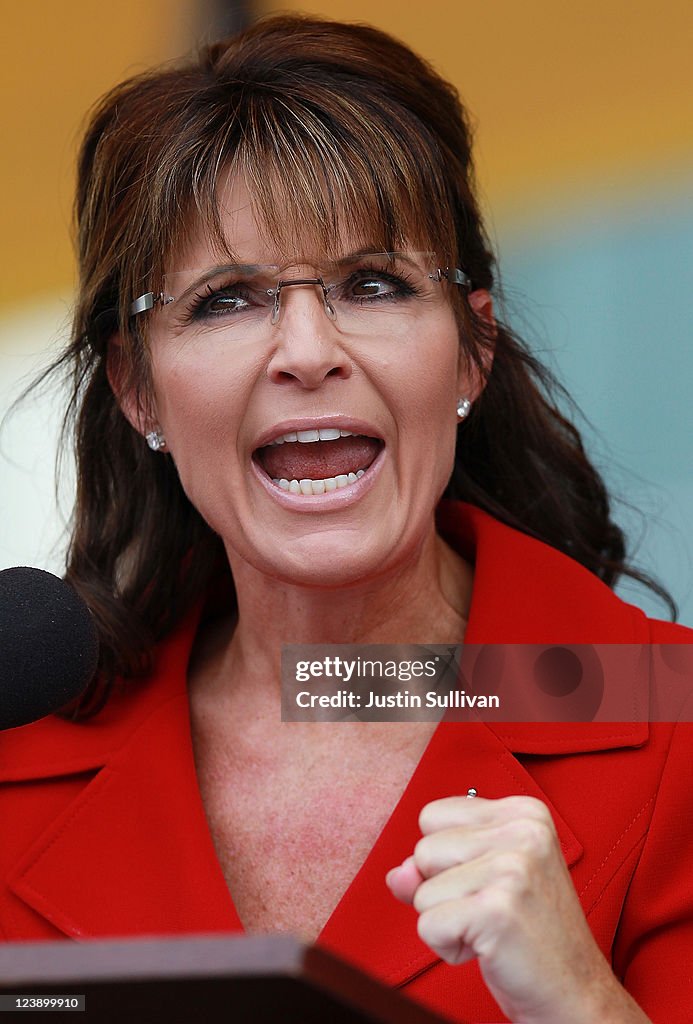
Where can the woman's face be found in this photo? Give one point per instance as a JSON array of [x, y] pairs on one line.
[[225, 396]]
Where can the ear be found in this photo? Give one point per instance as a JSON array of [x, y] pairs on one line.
[[481, 302], [471, 381], [121, 385]]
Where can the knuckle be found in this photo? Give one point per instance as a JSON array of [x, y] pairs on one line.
[[424, 856], [538, 837], [427, 818], [498, 908], [541, 812], [532, 835], [501, 913], [436, 930], [424, 928], [512, 867], [432, 813], [530, 807], [422, 899]]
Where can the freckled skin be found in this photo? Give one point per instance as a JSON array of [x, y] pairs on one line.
[[289, 861]]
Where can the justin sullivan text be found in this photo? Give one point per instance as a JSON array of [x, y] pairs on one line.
[[398, 699]]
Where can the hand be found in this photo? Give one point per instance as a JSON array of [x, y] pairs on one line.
[[489, 881]]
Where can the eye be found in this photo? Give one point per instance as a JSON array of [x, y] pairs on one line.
[[372, 286], [225, 300], [369, 284], [228, 301]]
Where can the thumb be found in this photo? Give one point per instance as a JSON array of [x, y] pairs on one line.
[[403, 881]]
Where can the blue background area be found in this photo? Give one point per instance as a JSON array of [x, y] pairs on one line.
[[604, 293]]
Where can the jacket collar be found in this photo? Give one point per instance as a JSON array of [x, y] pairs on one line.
[[523, 592], [526, 592], [55, 746]]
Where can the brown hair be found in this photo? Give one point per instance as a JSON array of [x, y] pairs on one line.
[[325, 121]]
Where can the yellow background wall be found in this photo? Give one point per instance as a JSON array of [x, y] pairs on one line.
[[57, 59], [564, 93]]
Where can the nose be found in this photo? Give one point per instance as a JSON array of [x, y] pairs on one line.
[[308, 347]]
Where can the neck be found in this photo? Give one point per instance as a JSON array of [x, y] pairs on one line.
[[426, 600]]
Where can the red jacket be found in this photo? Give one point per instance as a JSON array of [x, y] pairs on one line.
[[104, 833]]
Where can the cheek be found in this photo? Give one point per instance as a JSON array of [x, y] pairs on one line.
[[196, 412], [201, 441], [196, 402], [188, 415], [427, 386]]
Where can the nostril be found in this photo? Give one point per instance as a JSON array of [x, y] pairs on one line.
[[307, 365]]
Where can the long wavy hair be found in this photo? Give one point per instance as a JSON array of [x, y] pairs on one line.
[[330, 125]]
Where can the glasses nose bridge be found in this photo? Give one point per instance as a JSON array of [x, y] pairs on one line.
[[304, 349], [317, 283]]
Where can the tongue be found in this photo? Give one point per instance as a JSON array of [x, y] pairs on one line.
[[318, 460]]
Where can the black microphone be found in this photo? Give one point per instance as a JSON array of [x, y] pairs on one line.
[[49, 647]]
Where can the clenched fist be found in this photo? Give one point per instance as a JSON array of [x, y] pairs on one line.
[[488, 880]]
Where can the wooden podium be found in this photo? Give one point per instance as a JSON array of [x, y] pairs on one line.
[[255, 979]]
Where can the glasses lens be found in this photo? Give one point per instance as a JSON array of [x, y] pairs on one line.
[[369, 288], [221, 298], [241, 299]]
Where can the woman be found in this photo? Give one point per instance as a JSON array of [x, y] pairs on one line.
[[284, 345]]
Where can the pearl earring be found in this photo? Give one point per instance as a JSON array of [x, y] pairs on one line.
[[156, 440], [463, 407]]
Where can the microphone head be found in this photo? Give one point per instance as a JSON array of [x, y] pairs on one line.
[[49, 647]]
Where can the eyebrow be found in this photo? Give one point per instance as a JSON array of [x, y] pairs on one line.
[[359, 254], [245, 269], [248, 269]]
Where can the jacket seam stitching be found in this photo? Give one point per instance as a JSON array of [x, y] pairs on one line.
[[640, 839], [616, 844]]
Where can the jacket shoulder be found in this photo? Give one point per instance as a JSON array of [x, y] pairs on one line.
[[662, 632]]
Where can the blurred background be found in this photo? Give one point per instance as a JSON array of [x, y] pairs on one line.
[[585, 159]]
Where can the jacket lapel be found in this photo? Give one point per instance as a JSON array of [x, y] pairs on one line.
[[132, 854]]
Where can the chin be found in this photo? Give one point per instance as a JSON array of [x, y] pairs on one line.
[[325, 561]]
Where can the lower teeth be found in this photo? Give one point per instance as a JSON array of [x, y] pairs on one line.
[[331, 483]]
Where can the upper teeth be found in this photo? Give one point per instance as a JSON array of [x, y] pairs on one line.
[[306, 436]]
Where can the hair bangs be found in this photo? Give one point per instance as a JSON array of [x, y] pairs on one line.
[[319, 184], [325, 177]]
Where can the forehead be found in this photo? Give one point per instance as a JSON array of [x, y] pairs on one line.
[[247, 236]]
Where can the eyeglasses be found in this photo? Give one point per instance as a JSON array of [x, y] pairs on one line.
[[358, 292]]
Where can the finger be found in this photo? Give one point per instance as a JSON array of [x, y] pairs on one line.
[[508, 870], [444, 849], [446, 930], [438, 851], [454, 811], [404, 880]]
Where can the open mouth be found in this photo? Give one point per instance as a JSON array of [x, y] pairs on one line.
[[318, 460]]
